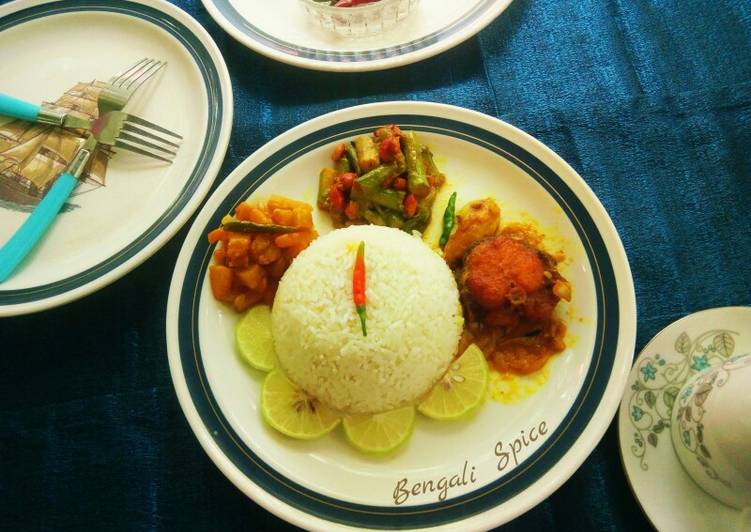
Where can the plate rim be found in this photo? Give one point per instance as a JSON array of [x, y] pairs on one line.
[[593, 429], [357, 66], [203, 186], [622, 443]]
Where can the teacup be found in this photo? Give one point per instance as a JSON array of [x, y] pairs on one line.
[[711, 430]]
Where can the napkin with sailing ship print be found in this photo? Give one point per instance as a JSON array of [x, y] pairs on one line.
[[32, 156]]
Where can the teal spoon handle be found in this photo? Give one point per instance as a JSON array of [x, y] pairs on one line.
[[17, 108], [10, 106], [33, 229]]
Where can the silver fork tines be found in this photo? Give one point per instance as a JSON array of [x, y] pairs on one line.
[[117, 91], [137, 120], [144, 133], [145, 143], [133, 77], [131, 137], [126, 73], [135, 149]]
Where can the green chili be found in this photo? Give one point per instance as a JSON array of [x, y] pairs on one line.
[[448, 220], [342, 165]]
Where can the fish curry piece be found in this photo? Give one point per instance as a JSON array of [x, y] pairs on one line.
[[509, 289]]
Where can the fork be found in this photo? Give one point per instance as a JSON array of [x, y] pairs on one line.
[[114, 93], [117, 91], [115, 128], [119, 88], [122, 130]]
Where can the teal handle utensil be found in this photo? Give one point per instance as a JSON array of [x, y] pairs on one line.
[[39, 221], [31, 112], [36, 225], [115, 128], [10, 106]]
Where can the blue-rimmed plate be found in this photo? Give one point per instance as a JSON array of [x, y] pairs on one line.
[[288, 34], [105, 231], [478, 472]]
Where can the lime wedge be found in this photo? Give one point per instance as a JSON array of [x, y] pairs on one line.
[[380, 433], [461, 389], [254, 340], [293, 412]]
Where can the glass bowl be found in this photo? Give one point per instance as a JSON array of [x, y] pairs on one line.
[[361, 20]]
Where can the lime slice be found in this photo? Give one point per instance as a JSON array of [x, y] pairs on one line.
[[293, 412], [380, 433], [461, 389], [254, 340]]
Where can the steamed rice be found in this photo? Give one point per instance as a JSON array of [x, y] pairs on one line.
[[413, 320]]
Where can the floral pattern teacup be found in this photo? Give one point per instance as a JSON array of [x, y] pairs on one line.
[[711, 430]]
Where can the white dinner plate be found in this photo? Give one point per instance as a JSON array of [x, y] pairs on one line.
[[288, 34], [483, 471], [666, 493], [105, 231]]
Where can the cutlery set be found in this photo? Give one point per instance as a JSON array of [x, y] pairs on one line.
[[112, 127]]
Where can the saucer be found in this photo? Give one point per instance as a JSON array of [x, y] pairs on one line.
[[666, 493]]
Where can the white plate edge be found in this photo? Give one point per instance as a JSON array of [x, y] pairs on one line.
[[363, 66]]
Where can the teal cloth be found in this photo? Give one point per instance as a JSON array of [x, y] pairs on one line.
[[649, 100]]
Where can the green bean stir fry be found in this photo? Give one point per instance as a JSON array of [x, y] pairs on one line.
[[387, 178]]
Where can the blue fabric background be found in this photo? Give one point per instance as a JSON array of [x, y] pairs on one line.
[[649, 100]]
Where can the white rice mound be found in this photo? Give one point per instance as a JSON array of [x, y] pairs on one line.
[[413, 321]]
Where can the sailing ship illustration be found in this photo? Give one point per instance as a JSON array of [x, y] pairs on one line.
[[32, 156]]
